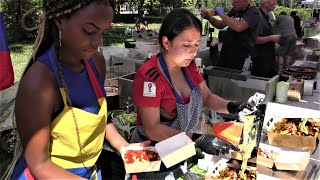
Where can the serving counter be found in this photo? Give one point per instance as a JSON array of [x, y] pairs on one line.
[[239, 85]]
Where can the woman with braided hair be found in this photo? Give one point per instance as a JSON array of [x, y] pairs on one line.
[[61, 103]]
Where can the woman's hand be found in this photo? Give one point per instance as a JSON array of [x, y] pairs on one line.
[[140, 144]]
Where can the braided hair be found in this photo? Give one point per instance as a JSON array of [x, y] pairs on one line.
[[53, 9]]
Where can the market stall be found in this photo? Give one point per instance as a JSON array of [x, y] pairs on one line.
[[227, 83]]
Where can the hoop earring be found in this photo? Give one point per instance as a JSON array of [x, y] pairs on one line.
[[59, 37]]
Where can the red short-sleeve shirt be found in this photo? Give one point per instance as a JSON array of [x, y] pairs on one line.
[[151, 89]]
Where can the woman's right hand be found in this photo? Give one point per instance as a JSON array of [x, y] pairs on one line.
[[213, 145]]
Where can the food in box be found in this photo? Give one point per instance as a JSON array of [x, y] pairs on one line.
[[111, 91], [292, 160], [140, 159], [175, 149], [224, 172], [267, 154], [299, 133]]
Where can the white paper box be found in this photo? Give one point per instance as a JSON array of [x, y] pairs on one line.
[[267, 161], [292, 160], [175, 149]]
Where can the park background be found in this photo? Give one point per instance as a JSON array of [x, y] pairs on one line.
[[128, 12]]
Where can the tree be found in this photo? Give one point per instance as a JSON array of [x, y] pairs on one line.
[[13, 10]]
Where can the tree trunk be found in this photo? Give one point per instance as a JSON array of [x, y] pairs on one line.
[[140, 10], [19, 14]]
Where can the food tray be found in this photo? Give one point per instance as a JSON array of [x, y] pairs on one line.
[[223, 164], [140, 166], [300, 72], [290, 141]]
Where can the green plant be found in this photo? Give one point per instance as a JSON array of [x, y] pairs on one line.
[[303, 13]]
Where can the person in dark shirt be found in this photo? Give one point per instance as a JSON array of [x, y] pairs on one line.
[[263, 55], [287, 43], [297, 23], [241, 35], [315, 14]]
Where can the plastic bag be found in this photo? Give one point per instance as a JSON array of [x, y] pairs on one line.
[[7, 102]]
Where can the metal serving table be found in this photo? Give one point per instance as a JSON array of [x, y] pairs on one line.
[[308, 102], [238, 85]]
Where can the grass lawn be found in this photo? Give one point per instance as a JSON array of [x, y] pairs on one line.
[[20, 54]]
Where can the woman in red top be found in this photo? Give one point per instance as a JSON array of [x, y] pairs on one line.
[[169, 90]]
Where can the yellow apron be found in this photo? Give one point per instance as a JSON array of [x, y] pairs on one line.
[[64, 147]]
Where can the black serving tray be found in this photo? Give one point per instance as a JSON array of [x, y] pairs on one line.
[[226, 73]]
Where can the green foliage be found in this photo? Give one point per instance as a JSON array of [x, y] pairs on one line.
[[303, 13], [13, 10], [226, 4]]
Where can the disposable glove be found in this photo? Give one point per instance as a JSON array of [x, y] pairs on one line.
[[213, 145], [219, 10], [235, 107]]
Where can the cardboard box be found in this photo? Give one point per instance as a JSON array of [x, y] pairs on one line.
[[213, 173], [175, 149], [265, 161], [295, 90], [290, 141], [292, 160], [138, 166]]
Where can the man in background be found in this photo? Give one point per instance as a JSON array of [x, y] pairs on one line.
[[284, 26], [263, 56], [297, 23], [241, 34]]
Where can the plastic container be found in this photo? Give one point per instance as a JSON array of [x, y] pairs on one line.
[[198, 62], [308, 87], [282, 91]]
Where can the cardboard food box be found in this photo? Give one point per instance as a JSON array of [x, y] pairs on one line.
[[222, 165], [292, 160], [290, 141], [295, 90], [136, 163], [175, 149], [267, 154]]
